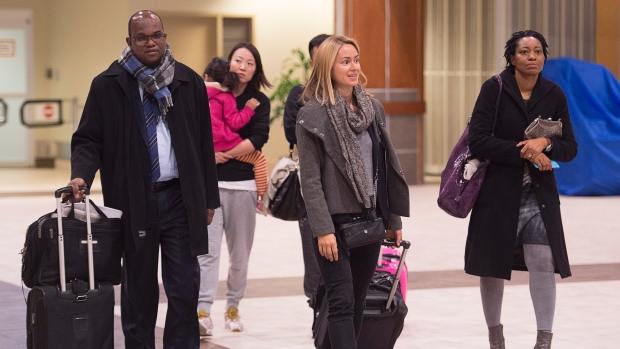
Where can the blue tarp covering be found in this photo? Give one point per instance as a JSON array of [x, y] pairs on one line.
[[593, 95]]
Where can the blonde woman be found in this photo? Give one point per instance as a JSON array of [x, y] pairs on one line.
[[349, 170]]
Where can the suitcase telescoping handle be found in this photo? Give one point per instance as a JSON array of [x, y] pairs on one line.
[[61, 239], [405, 244]]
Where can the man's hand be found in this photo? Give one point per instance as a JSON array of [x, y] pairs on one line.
[[210, 213], [328, 246], [78, 195], [396, 235]]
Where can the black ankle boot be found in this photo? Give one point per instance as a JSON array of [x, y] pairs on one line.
[[496, 337], [543, 340]]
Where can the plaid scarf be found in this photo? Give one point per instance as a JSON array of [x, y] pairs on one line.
[[347, 124], [156, 80]]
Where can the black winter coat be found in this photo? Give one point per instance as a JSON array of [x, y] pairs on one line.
[[490, 249], [109, 139]]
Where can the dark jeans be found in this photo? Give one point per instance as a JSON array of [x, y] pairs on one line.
[[168, 227], [312, 274], [346, 282]]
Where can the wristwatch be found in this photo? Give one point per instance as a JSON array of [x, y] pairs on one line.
[[549, 147]]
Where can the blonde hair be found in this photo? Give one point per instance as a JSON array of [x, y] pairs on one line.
[[320, 84]]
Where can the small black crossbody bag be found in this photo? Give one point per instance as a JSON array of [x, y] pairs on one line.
[[363, 231]]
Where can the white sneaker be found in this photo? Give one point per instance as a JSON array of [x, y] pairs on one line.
[[204, 323], [233, 320]]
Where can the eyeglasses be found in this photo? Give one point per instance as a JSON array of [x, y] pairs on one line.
[[143, 39]]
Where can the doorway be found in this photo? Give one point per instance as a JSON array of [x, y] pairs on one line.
[[15, 86]]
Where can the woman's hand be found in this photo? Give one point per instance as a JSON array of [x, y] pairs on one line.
[[396, 235], [542, 161], [328, 246], [221, 157], [532, 147]]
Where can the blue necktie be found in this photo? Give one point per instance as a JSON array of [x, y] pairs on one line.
[[151, 115]]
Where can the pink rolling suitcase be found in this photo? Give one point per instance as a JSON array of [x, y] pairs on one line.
[[388, 261], [385, 311]]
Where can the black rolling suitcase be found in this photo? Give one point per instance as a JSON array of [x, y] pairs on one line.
[[385, 311], [77, 314], [384, 314]]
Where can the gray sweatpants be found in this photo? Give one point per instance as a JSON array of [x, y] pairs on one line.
[[236, 217]]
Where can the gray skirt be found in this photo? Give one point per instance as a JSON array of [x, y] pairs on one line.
[[531, 228]]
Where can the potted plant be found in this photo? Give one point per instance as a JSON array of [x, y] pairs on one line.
[[287, 80]]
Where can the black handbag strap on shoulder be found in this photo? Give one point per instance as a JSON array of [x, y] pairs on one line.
[[499, 95]]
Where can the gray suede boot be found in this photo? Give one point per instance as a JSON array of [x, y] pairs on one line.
[[496, 337], [543, 340]]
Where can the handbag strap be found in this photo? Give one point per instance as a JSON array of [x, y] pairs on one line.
[[499, 94], [72, 212]]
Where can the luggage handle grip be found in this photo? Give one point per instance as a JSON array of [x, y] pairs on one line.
[[69, 190], [391, 243]]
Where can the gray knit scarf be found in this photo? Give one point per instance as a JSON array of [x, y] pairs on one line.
[[347, 124], [156, 80]]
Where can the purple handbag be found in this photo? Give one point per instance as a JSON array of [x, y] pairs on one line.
[[456, 194]]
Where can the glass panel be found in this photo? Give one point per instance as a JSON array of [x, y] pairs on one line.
[[14, 138]]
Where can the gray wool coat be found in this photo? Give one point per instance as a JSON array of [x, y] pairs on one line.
[[324, 182], [490, 249]]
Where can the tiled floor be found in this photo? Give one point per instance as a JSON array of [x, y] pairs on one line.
[[444, 304]]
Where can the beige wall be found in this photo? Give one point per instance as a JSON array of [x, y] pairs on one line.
[[79, 39]]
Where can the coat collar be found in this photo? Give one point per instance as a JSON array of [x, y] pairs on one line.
[[314, 118], [542, 87]]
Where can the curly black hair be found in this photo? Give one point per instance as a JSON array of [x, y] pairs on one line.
[[511, 44]]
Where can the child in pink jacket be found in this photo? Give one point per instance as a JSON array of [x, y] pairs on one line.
[[226, 120]]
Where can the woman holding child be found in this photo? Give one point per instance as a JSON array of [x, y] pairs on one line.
[[236, 217]]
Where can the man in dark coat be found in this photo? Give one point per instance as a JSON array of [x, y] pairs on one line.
[[146, 127]]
